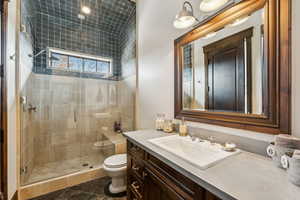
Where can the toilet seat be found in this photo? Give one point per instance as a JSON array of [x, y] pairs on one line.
[[116, 161]]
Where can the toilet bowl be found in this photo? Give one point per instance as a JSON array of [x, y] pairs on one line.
[[115, 166]]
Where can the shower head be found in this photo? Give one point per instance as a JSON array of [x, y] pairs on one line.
[[39, 53], [52, 58]]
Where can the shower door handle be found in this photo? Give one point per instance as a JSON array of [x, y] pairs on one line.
[[75, 116]]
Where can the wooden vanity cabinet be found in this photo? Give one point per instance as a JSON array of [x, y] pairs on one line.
[[148, 178]]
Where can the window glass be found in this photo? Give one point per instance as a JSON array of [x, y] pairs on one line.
[[59, 61], [75, 63], [70, 61], [90, 65], [103, 67]]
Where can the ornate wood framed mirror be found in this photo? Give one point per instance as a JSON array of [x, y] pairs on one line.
[[234, 69]]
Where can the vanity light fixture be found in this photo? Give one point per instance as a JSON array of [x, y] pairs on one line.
[[185, 18], [212, 5], [86, 10], [210, 35], [239, 21]]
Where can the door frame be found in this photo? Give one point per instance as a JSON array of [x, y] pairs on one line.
[[3, 97]]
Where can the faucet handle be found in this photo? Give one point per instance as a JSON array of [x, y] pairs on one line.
[[211, 139], [32, 108], [193, 138]]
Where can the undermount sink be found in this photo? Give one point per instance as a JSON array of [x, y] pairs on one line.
[[201, 154]]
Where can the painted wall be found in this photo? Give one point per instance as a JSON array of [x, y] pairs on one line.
[[295, 69], [11, 101], [156, 62]]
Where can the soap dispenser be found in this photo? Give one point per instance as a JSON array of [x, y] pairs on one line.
[[183, 130]]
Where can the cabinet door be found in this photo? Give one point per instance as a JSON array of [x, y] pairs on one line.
[[157, 189]]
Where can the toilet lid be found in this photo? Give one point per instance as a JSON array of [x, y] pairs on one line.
[[116, 161]]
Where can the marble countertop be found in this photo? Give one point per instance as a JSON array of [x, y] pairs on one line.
[[245, 176]]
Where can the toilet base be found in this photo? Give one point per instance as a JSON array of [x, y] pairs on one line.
[[107, 191]]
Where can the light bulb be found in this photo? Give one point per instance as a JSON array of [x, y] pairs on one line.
[[212, 5], [184, 22], [86, 10]]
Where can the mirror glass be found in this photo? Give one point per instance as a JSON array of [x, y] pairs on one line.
[[225, 70]]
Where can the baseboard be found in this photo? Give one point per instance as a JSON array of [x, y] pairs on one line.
[[55, 184]]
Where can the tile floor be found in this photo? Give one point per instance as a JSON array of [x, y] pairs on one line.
[[93, 190]]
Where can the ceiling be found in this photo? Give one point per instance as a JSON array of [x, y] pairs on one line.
[[111, 15]]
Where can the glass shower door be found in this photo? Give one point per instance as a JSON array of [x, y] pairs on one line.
[[96, 121], [66, 137], [50, 140]]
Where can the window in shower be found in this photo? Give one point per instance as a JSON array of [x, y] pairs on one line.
[[76, 62]]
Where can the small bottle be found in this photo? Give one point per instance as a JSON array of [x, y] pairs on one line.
[[159, 122], [183, 130], [168, 126]]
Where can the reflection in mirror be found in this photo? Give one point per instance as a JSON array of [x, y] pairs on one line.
[[225, 71]]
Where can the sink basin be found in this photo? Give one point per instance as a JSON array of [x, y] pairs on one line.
[[200, 154]]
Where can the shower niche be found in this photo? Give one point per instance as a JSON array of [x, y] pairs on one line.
[[71, 99]]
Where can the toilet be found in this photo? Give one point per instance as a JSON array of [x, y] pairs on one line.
[[115, 166]]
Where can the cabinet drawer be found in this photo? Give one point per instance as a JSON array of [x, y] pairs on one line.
[[172, 177], [134, 150]]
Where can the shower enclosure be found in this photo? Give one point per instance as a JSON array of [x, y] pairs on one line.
[[77, 80]]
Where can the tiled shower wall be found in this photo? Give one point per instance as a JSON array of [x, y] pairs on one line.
[[127, 44], [67, 118], [128, 76], [52, 31]]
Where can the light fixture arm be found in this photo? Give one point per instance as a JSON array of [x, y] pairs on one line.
[[188, 4]]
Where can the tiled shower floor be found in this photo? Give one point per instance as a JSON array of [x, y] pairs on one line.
[[57, 169], [93, 190]]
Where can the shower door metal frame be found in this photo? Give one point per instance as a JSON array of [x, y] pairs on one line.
[[3, 103]]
